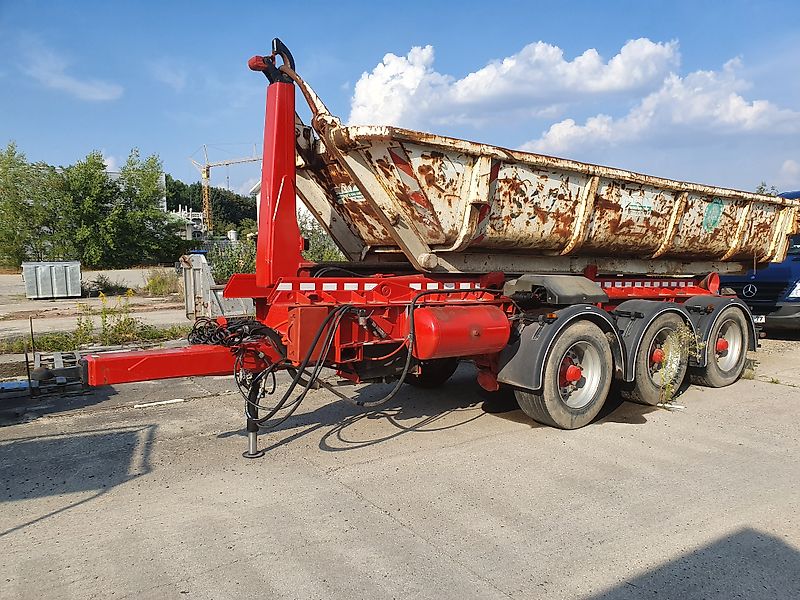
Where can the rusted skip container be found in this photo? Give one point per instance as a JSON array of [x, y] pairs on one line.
[[452, 205]]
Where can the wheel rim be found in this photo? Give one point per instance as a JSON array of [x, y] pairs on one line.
[[579, 374], [728, 352], [664, 357]]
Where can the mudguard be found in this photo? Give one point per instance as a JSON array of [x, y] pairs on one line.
[[705, 311], [522, 361], [633, 319], [560, 289]]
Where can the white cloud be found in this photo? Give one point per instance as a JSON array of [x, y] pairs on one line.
[[789, 175], [398, 88], [790, 169], [170, 74], [112, 163], [535, 82], [702, 102], [50, 69]]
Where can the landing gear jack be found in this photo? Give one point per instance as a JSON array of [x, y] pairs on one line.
[[252, 434]]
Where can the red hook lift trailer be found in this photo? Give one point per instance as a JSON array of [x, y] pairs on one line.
[[553, 277]]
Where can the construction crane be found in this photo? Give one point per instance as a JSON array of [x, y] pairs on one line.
[[205, 180]]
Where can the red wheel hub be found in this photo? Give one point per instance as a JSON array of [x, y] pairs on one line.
[[573, 374], [722, 345], [658, 356]]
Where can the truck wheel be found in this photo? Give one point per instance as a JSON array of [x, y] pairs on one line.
[[577, 376], [661, 362], [726, 350], [433, 373]]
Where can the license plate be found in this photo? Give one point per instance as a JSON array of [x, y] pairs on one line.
[[759, 319]]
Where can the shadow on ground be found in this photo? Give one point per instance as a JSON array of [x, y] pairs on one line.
[[21, 410], [746, 564], [413, 410], [92, 462]]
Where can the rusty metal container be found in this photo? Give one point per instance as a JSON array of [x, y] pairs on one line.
[[450, 205]]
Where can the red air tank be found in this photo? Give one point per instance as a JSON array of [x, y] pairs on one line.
[[449, 331]]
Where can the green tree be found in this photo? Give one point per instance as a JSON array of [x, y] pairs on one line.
[[181, 194], [768, 190], [87, 231], [144, 233], [229, 209], [80, 213], [30, 203], [321, 248]]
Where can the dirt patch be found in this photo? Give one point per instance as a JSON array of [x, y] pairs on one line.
[[72, 310], [12, 369]]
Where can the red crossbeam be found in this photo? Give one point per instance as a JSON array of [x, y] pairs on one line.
[[108, 368]]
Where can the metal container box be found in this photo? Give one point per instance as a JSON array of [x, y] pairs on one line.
[[52, 279], [449, 205]]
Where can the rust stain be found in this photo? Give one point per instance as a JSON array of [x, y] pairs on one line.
[[429, 176], [534, 199]]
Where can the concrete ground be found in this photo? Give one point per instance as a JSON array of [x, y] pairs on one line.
[[429, 497]]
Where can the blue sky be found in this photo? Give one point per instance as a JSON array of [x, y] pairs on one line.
[[706, 91]]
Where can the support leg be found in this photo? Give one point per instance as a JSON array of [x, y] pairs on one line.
[[252, 433]]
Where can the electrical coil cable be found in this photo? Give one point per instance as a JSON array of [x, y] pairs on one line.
[[334, 318], [236, 334], [209, 331]]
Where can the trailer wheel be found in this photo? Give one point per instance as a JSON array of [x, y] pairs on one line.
[[576, 379], [726, 350], [433, 373], [661, 362]]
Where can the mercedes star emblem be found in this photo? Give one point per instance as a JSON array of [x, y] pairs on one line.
[[749, 290]]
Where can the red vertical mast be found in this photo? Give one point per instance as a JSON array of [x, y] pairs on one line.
[[278, 253]]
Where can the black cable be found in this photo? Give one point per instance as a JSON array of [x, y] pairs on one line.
[[295, 404], [332, 268], [410, 341], [300, 369], [335, 317]]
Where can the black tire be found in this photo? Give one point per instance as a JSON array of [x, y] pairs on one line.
[[582, 344], [433, 373], [654, 381], [726, 367]]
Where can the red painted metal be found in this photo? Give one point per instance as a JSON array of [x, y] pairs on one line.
[[243, 285], [573, 373], [123, 367], [279, 243], [711, 282], [302, 326], [658, 356], [488, 380], [722, 345], [670, 289], [449, 331], [256, 63]]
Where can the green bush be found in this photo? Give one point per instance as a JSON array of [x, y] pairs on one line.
[[234, 258], [240, 257], [163, 282], [321, 247], [102, 284]]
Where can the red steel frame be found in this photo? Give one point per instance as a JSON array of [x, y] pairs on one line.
[[291, 302]]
